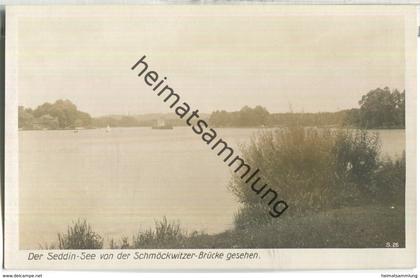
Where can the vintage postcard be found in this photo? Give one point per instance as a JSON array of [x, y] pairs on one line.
[[210, 137]]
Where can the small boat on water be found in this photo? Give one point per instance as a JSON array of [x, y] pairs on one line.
[[160, 124], [108, 129]]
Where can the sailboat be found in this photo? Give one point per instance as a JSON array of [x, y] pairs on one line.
[[108, 129]]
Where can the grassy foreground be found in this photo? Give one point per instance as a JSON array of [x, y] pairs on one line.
[[360, 227], [357, 227]]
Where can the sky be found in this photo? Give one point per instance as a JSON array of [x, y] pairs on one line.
[[214, 60]]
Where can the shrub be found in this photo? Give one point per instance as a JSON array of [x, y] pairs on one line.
[[80, 236], [313, 170], [251, 216], [389, 182], [356, 155]]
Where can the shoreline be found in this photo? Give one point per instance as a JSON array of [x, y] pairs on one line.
[[226, 127]]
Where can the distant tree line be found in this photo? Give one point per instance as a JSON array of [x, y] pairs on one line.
[[63, 114], [379, 108], [246, 117], [260, 117], [237, 119]]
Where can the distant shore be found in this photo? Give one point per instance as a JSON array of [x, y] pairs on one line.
[[219, 127]]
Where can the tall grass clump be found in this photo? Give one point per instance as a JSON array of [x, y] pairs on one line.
[[166, 234], [80, 236], [315, 170]]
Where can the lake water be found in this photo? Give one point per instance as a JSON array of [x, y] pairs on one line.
[[121, 181]]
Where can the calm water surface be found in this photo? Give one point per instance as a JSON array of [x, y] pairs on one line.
[[123, 180]]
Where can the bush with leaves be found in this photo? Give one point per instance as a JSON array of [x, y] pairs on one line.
[[313, 170]]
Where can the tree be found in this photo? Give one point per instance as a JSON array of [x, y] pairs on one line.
[[381, 108], [62, 114], [25, 118]]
